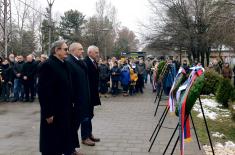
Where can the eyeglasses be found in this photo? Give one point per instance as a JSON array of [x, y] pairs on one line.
[[65, 49], [80, 49]]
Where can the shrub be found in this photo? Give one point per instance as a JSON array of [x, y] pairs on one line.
[[212, 80], [224, 90], [232, 109], [232, 95]]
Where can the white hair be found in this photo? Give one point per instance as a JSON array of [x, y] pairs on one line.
[[92, 48], [73, 46]]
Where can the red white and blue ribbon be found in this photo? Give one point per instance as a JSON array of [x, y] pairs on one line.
[[182, 95], [171, 100]]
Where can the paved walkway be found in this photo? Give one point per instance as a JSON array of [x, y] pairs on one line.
[[124, 125]]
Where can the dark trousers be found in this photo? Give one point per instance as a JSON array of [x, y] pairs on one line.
[[140, 83], [132, 89], [29, 88], [114, 87], [103, 86], [125, 88], [86, 128], [5, 91]]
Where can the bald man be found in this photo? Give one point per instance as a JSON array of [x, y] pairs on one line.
[[28, 74], [81, 93]]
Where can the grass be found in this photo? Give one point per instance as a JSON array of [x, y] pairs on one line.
[[223, 125]]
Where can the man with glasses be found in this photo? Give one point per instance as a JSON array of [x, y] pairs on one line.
[[54, 91]]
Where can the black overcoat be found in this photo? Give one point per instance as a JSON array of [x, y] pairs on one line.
[[54, 92], [93, 75], [80, 85]]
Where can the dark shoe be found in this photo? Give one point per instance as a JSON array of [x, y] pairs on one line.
[[88, 142], [95, 139], [14, 100], [26, 100], [31, 100]]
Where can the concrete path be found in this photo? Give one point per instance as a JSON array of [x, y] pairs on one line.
[[124, 125]]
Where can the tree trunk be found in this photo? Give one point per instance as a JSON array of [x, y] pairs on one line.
[[208, 56]]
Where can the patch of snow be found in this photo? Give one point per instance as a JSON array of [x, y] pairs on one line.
[[210, 103], [217, 134], [219, 145], [229, 144], [227, 149], [208, 113], [211, 109]]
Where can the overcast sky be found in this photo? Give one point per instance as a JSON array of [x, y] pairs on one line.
[[129, 12]]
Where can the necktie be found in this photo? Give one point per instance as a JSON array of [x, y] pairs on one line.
[[95, 64]]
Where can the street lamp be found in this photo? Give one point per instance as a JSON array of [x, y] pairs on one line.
[[50, 3], [105, 30]]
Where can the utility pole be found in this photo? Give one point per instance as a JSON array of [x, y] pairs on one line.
[[105, 30], [50, 3], [5, 22]]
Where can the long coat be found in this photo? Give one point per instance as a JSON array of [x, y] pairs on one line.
[[93, 75], [54, 93], [80, 84]]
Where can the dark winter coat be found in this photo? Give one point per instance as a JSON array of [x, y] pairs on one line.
[[104, 72], [54, 92], [140, 69], [115, 70], [7, 75], [18, 68], [93, 75], [80, 85], [29, 70]]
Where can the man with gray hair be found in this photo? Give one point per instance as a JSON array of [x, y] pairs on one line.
[[93, 76], [81, 92], [54, 92]]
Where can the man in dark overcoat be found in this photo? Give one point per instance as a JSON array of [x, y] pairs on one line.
[[81, 92], [28, 75], [54, 91], [93, 75]]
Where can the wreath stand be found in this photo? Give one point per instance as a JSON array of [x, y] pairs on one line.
[[159, 100], [161, 121]]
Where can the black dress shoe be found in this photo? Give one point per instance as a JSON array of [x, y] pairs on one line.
[[31, 100], [26, 100], [14, 100]]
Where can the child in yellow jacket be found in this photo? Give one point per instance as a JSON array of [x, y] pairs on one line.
[[134, 78]]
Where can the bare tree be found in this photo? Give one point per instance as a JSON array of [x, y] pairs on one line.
[[21, 16], [195, 25]]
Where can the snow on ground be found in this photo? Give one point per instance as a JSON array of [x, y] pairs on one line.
[[227, 149], [211, 109], [217, 135]]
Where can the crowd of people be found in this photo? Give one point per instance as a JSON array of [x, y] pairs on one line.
[[19, 75], [69, 86]]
